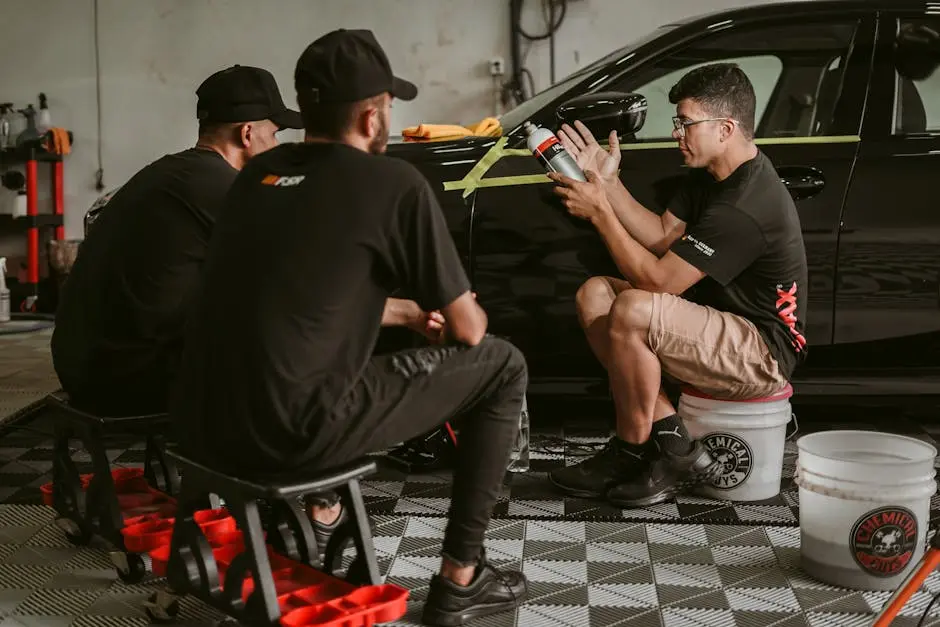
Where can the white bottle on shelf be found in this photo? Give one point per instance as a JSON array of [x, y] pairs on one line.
[[4, 292]]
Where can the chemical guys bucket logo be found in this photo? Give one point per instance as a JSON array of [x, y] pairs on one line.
[[734, 455], [883, 540], [283, 181]]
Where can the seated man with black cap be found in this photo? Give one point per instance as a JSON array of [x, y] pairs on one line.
[[118, 333], [286, 382]]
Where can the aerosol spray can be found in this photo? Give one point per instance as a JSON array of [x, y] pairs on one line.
[[4, 292], [546, 146]]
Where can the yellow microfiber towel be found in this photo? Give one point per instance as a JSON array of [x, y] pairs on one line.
[[488, 127], [435, 131]]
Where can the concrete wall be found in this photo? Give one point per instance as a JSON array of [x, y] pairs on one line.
[[153, 54]]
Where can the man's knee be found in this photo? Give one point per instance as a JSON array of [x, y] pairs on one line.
[[512, 361], [631, 312], [594, 298]]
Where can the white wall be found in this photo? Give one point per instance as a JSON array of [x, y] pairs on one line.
[[153, 54]]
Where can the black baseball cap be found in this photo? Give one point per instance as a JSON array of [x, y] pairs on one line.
[[346, 66], [242, 93]]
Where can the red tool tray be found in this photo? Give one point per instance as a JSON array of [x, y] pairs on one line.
[[307, 596]]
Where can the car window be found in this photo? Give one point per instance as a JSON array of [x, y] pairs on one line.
[[917, 84], [796, 70], [764, 72], [515, 117]]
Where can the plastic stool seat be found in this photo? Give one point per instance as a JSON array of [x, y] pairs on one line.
[[60, 400], [318, 481], [87, 511], [192, 567]]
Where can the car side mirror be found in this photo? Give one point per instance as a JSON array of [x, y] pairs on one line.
[[604, 112]]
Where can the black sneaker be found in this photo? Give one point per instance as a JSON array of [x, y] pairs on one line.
[[595, 476], [665, 477], [491, 591]]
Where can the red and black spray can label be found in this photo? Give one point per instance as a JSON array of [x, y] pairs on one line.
[[555, 158], [548, 150], [884, 540]]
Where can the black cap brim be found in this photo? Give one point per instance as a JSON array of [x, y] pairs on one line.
[[288, 118], [403, 90]]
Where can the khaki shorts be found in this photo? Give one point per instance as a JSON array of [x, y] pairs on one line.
[[718, 353]]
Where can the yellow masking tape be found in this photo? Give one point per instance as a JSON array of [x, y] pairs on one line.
[[522, 179], [474, 178]]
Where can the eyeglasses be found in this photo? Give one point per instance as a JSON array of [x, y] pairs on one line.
[[681, 124]]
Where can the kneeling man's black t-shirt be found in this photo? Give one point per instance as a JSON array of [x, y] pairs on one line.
[[745, 234], [311, 241]]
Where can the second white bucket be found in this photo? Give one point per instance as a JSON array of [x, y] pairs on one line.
[[864, 506], [747, 437]]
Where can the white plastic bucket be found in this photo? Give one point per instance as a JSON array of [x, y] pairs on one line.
[[748, 437], [864, 506]]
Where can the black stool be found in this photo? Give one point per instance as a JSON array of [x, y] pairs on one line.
[[192, 569], [84, 513]]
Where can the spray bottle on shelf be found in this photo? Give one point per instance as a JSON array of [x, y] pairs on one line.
[[44, 122], [30, 133], [546, 146], [6, 110], [4, 292]]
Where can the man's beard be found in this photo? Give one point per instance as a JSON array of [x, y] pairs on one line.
[[378, 144]]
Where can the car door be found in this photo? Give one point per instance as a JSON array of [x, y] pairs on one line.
[[888, 288], [810, 76]]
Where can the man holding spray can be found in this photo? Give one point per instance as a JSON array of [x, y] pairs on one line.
[[732, 232]]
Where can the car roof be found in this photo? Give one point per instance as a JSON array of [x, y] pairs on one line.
[[809, 7]]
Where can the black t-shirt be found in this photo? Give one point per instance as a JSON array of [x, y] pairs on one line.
[[119, 323], [745, 234], [312, 240]]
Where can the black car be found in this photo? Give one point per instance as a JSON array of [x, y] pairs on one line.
[[856, 141], [848, 110]]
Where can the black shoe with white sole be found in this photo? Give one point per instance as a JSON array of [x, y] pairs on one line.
[[491, 591], [665, 477]]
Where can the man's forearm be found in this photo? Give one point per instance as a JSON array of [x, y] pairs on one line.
[[643, 225], [636, 263], [400, 312]]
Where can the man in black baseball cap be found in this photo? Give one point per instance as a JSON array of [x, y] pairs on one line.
[[285, 381], [339, 79], [243, 94], [118, 334]]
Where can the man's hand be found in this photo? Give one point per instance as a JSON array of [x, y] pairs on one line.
[[587, 201], [589, 155], [430, 324]]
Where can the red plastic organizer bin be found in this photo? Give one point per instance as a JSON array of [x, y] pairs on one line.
[[307, 597], [135, 496]]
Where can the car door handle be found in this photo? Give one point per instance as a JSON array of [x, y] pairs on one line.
[[802, 181]]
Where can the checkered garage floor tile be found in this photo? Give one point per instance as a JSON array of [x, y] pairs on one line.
[[530, 495], [26, 373], [26, 464], [581, 574]]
